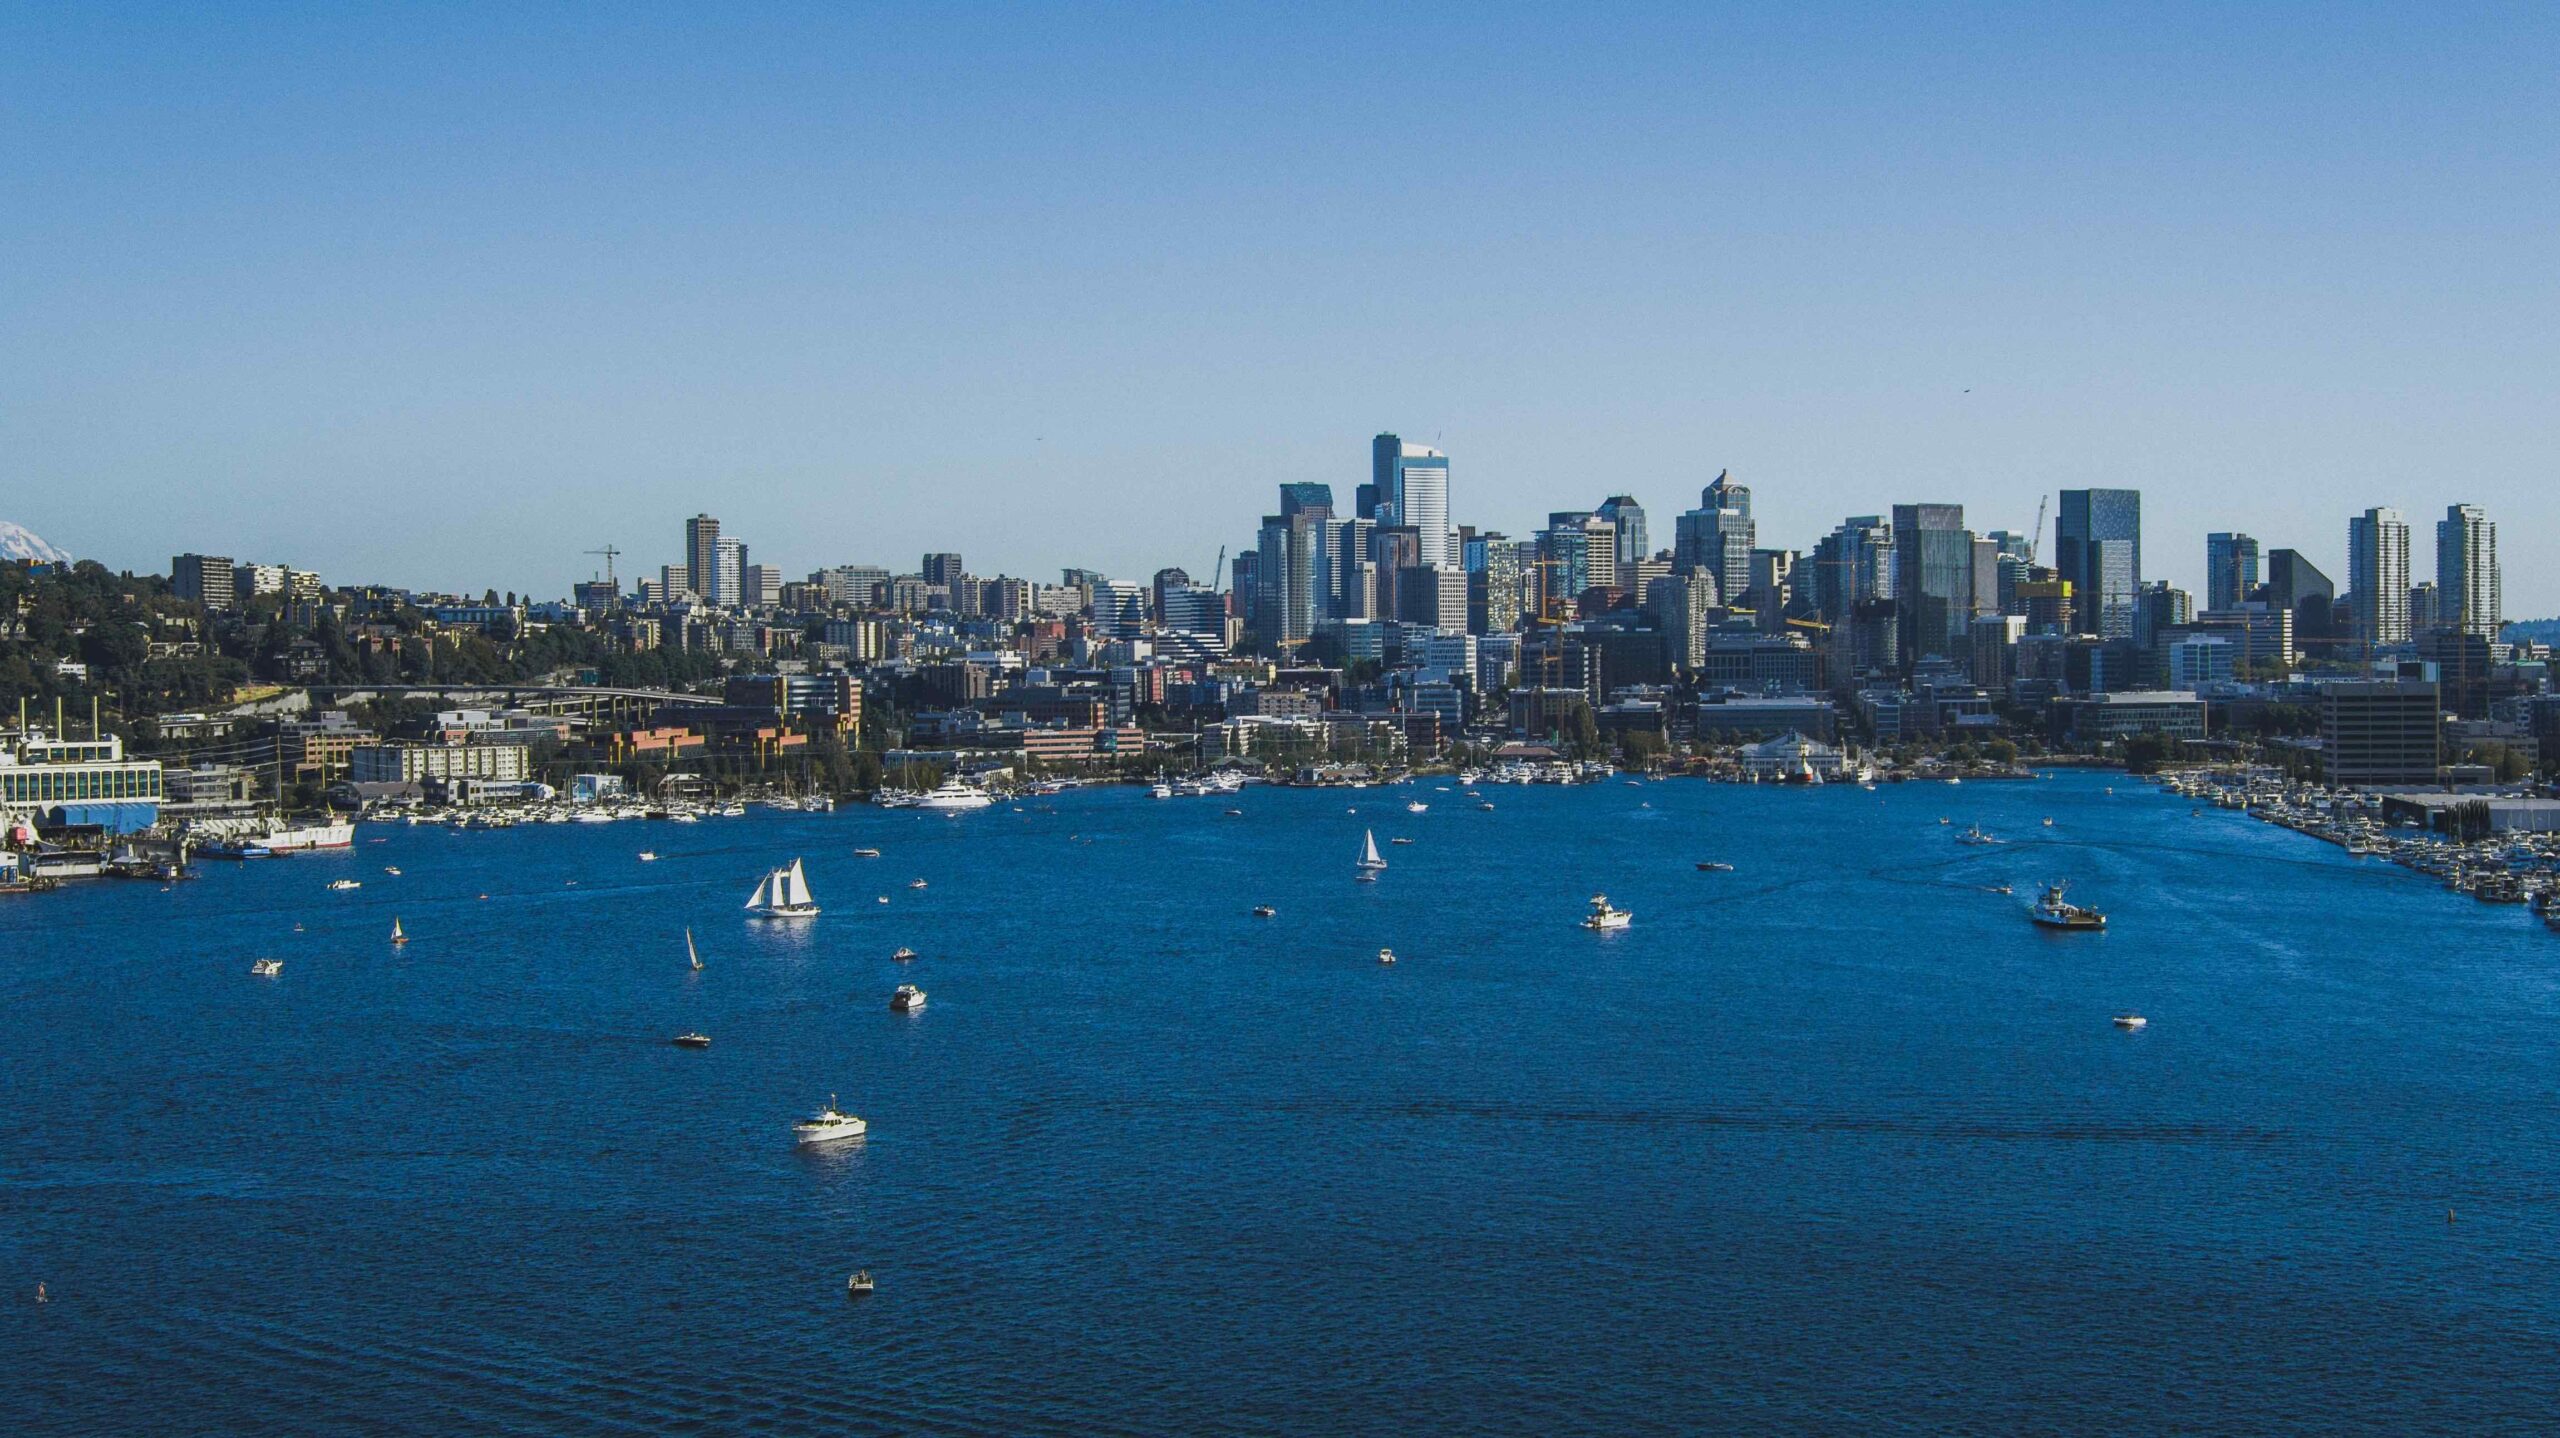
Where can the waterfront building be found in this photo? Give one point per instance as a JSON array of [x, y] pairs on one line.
[[2122, 713], [56, 782], [1728, 714], [2378, 577], [206, 579], [1792, 756], [400, 763], [2098, 552], [2380, 732], [2230, 569], [1933, 564], [2470, 590]]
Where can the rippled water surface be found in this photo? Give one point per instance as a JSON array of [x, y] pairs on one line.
[[1833, 1142]]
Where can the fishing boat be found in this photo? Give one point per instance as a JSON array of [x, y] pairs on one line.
[[2052, 911], [692, 955], [267, 968], [1369, 862], [1602, 916], [906, 999], [398, 936], [691, 1041], [784, 894], [828, 1125]]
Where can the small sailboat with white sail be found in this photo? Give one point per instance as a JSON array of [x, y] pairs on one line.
[[784, 894], [1369, 863], [692, 955]]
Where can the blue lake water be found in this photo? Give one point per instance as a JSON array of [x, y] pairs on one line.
[[1836, 1142]]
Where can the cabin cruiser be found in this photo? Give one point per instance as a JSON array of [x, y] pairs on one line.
[[955, 797], [784, 894], [1386, 956], [2054, 912], [827, 1125], [906, 999], [1604, 917]]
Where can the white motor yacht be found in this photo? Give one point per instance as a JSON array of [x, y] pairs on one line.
[[955, 797], [1604, 917], [907, 999], [828, 1125]]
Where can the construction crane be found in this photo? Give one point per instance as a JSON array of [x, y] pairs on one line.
[[608, 552], [2035, 536], [1218, 572]]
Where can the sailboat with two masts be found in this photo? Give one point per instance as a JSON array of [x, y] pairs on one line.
[[784, 894], [1369, 863]]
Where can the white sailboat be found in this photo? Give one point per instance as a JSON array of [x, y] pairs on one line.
[[398, 937], [692, 954], [784, 894], [1369, 862]]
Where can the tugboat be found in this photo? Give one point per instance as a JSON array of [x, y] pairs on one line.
[[827, 1125], [1602, 917], [2054, 912], [907, 999]]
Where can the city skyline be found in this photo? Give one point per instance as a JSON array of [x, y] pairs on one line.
[[773, 263]]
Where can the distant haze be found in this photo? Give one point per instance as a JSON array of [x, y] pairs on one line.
[[444, 297]]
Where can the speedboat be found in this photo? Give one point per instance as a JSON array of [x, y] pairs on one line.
[[828, 1125], [2054, 912], [2130, 1021], [1604, 917], [866, 853], [1417, 807], [906, 999], [691, 1041], [1265, 911], [1714, 866], [267, 968], [648, 856], [784, 894], [1386, 956], [343, 885], [916, 884], [903, 954]]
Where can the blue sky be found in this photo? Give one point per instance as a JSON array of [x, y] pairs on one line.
[[444, 296]]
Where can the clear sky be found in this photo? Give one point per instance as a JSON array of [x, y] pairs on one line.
[[442, 296]]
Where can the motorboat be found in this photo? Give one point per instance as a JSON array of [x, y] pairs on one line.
[[343, 885], [784, 894], [1602, 916], [1714, 866], [906, 999], [858, 1284], [828, 1125], [866, 853], [1386, 956], [267, 968], [1485, 805], [648, 856], [952, 796], [691, 1041], [1417, 807], [916, 884], [1399, 841], [1265, 911], [2052, 911], [392, 869], [2130, 1021]]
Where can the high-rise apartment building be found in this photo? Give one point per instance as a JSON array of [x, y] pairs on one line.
[[942, 569], [2378, 576], [2470, 592], [206, 579], [2230, 569], [2098, 552], [701, 555], [728, 574]]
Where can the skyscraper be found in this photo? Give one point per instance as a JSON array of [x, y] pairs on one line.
[[2098, 552], [728, 574], [1718, 536], [701, 554], [1933, 560], [1627, 518], [1414, 484], [2378, 576], [942, 569], [2230, 569], [2470, 592], [1853, 565], [2295, 583]]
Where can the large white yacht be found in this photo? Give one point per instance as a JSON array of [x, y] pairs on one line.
[[953, 797], [827, 1125], [784, 894]]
